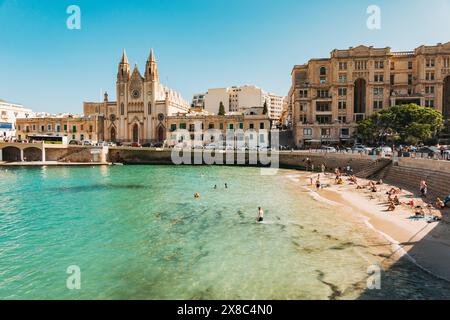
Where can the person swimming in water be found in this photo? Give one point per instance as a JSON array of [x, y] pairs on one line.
[[196, 195], [226, 185], [260, 214], [215, 186]]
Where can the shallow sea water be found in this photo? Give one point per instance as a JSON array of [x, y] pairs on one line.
[[137, 232]]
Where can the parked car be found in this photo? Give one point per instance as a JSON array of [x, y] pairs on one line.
[[361, 148], [112, 144], [329, 149], [136, 145], [386, 150], [86, 143], [157, 144], [75, 142], [146, 145]]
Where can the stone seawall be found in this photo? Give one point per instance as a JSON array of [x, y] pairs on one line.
[[287, 159]]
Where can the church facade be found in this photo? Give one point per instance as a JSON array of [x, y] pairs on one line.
[[142, 107]]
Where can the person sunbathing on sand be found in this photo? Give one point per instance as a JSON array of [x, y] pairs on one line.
[[439, 204]]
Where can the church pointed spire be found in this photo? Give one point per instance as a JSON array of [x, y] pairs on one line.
[[151, 68], [151, 58], [124, 68], [124, 59]]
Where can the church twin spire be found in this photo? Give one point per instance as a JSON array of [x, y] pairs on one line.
[[151, 68]]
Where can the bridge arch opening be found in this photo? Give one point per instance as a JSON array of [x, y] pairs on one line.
[[11, 154]]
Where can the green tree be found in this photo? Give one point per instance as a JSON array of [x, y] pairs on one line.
[[408, 123], [265, 110], [221, 109]]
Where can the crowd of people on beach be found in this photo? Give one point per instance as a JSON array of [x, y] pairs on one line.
[[393, 194]]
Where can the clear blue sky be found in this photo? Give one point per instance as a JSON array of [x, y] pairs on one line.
[[199, 44]]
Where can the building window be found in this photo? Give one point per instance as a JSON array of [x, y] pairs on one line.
[[261, 125], [34, 127], [303, 93], [173, 127], [410, 79], [241, 125], [303, 119], [429, 63], [73, 137], [122, 109], [323, 119], [307, 131], [446, 62], [342, 65], [81, 127], [361, 65], [429, 103], [323, 71], [378, 78], [303, 107], [342, 78], [323, 94], [377, 105], [392, 66], [345, 132], [74, 128], [377, 91], [149, 108], [325, 132], [392, 78], [429, 89], [323, 106], [342, 119], [429, 76], [410, 65], [42, 128], [342, 105], [342, 92], [65, 127], [379, 64], [221, 126], [81, 137], [183, 125], [58, 128]]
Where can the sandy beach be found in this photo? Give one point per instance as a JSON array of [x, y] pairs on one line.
[[426, 243]]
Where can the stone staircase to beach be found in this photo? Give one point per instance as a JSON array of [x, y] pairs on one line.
[[373, 168], [409, 179]]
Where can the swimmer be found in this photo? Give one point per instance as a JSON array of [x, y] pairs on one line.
[[215, 186], [196, 195], [260, 214], [226, 185]]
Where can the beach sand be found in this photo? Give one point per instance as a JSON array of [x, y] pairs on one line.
[[426, 244]]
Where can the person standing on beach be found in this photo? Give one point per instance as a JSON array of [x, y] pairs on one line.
[[423, 188], [323, 168], [260, 214]]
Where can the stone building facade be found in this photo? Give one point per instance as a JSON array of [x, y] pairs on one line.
[[75, 127], [231, 123], [328, 96]]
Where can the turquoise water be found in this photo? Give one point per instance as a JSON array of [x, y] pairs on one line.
[[136, 232]]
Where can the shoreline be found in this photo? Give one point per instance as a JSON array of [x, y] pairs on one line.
[[427, 245]]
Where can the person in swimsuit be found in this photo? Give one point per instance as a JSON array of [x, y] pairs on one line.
[[260, 214]]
